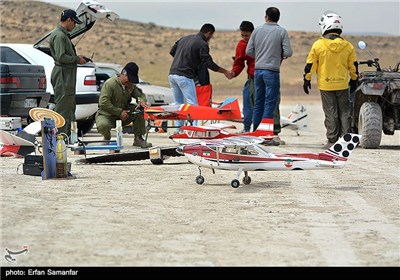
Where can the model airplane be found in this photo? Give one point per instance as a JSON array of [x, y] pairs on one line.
[[228, 110], [19, 144], [196, 134], [245, 153], [23, 142], [297, 120]]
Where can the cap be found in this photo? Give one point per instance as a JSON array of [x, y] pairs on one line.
[[66, 14], [132, 70]]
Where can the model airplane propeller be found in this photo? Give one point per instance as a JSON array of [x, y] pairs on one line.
[[245, 153]]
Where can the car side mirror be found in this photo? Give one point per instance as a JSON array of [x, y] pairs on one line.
[[362, 45]]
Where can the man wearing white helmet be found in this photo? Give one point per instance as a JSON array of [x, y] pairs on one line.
[[334, 60]]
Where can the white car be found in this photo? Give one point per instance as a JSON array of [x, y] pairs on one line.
[[156, 95], [87, 94]]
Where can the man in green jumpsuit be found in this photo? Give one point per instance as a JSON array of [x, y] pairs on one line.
[[63, 75], [114, 104]]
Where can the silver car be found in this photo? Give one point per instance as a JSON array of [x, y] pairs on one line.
[[156, 95]]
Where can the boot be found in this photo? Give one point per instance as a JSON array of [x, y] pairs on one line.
[[140, 142]]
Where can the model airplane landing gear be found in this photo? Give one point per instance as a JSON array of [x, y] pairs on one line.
[[235, 183], [246, 178], [200, 179]]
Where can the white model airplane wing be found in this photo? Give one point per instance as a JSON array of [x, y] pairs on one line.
[[33, 128], [235, 141], [8, 139]]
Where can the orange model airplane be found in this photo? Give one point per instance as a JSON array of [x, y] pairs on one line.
[[228, 110]]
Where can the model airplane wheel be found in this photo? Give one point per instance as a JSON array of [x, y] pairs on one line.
[[200, 180], [246, 180], [235, 183]]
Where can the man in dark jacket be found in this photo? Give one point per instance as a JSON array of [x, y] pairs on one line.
[[63, 75], [189, 53]]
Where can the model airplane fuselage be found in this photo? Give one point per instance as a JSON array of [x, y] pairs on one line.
[[245, 153], [297, 120], [228, 110], [195, 134]]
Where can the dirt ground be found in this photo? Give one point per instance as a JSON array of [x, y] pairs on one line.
[[139, 214]]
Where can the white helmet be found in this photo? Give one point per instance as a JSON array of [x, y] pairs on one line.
[[330, 20]]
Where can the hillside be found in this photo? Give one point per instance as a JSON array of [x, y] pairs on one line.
[[148, 44]]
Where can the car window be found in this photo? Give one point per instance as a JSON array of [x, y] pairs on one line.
[[109, 71], [8, 55]]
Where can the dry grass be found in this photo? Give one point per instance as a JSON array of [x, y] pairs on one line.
[[148, 44]]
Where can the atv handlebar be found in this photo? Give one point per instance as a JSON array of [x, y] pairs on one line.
[[371, 63]]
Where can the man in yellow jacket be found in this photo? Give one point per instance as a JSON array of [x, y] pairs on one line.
[[334, 60]]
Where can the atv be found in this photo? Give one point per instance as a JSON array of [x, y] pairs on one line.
[[376, 102]]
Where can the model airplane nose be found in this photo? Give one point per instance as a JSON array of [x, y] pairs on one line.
[[180, 149]]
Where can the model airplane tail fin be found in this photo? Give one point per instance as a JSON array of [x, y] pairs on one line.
[[266, 128], [342, 149], [231, 105], [297, 117]]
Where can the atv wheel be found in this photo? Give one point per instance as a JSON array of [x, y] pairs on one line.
[[370, 125]]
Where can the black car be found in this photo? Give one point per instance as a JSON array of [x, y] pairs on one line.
[[23, 86]]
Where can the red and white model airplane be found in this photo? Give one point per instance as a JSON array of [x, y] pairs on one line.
[[228, 110], [245, 153], [297, 120], [195, 134]]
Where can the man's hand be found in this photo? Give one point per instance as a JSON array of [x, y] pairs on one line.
[[143, 104], [124, 115], [353, 85], [227, 73], [82, 60], [306, 86], [87, 59]]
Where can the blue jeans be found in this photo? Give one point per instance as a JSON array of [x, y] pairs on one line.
[[267, 87], [248, 103], [184, 91]]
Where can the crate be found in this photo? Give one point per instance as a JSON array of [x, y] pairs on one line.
[[33, 165], [10, 123]]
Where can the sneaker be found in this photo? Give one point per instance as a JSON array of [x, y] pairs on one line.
[[281, 141], [140, 142], [272, 142]]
